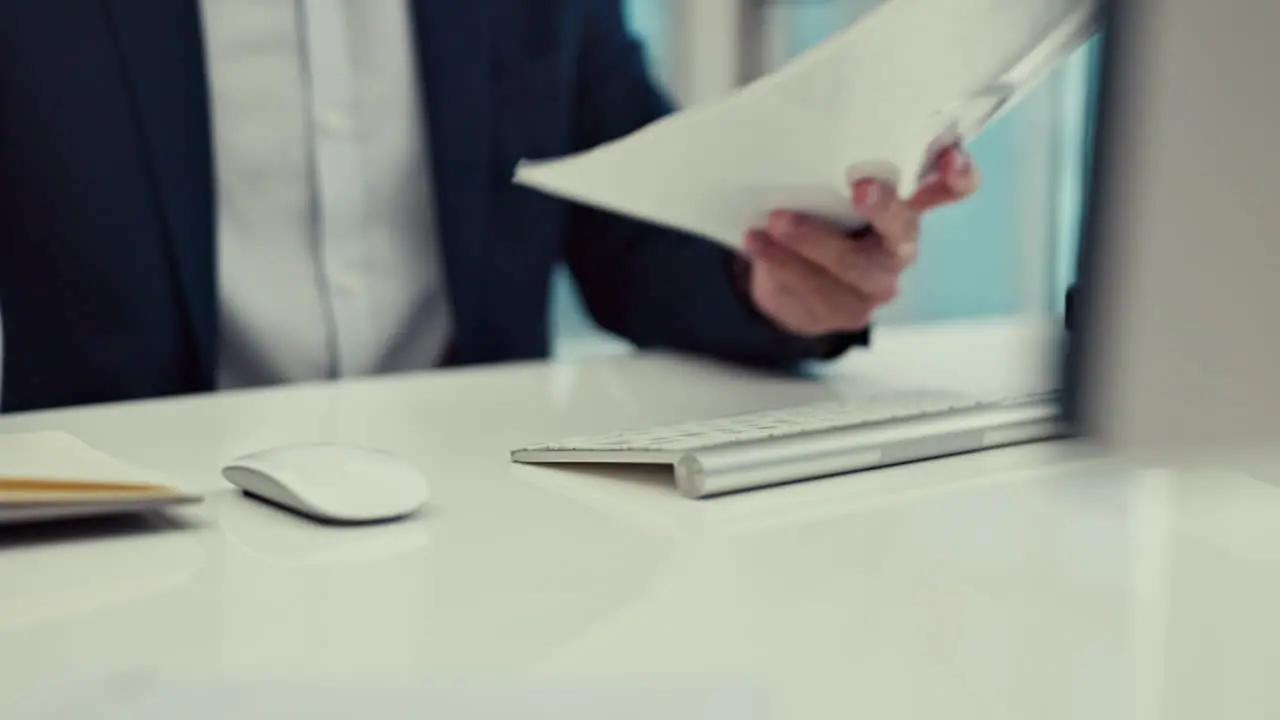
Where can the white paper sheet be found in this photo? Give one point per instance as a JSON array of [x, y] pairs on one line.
[[53, 454], [879, 99], [57, 456]]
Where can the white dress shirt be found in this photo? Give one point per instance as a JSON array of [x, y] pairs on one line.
[[328, 260]]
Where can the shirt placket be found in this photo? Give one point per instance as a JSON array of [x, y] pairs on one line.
[[337, 181]]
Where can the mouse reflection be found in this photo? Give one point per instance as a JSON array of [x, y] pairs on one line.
[[433, 591], [303, 595]]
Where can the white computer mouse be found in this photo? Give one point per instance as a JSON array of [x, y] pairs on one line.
[[332, 482]]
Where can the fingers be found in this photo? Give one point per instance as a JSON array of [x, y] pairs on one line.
[[802, 295], [862, 264], [954, 177], [812, 278], [893, 219]]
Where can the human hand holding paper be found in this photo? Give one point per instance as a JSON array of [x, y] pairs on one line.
[[887, 98], [812, 279]]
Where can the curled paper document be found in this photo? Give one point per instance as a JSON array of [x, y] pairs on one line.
[[879, 99]]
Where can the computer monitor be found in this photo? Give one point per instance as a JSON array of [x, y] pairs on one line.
[[1175, 354]]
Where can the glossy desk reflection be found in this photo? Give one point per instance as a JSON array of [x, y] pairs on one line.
[[1029, 582]]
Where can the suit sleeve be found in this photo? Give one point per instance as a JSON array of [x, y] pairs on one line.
[[655, 287]]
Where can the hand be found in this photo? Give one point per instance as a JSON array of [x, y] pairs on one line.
[[813, 279]]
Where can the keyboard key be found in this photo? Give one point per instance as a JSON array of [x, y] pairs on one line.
[[771, 424]]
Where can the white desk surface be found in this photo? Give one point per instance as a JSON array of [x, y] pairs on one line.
[[1024, 583]]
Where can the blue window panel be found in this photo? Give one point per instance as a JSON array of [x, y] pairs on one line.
[[1094, 59], [648, 20], [1080, 107], [970, 252]]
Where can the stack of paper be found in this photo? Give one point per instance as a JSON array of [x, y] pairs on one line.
[[51, 475], [879, 99]]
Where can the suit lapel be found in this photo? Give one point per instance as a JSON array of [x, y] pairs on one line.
[[453, 51], [162, 52]]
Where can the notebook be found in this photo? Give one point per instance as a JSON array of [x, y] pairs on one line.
[[879, 99], [53, 476]]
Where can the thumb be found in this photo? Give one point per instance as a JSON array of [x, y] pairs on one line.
[[954, 178]]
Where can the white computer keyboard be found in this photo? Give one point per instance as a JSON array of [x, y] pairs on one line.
[[819, 417]]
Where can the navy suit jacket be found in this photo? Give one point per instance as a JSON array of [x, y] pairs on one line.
[[107, 207]]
